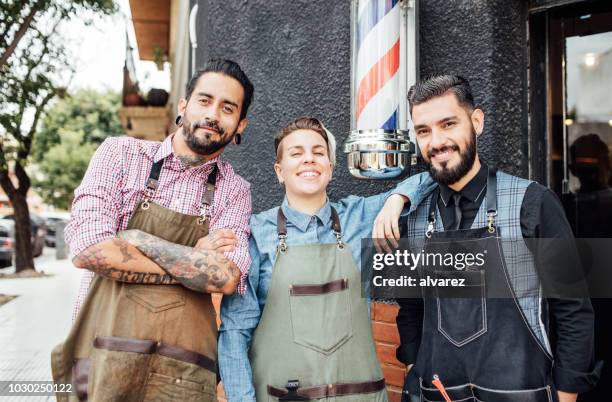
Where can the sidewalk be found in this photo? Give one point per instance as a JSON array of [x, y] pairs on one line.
[[33, 323]]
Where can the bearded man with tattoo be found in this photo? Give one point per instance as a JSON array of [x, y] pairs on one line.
[[158, 227]]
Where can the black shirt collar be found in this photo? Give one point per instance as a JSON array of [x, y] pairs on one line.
[[471, 191]]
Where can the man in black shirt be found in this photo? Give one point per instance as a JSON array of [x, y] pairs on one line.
[[489, 349]]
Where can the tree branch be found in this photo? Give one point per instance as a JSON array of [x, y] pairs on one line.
[[18, 36], [5, 180]]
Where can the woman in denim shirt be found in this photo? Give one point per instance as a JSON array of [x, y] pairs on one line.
[[313, 339]]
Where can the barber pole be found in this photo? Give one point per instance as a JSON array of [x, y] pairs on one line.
[[383, 63], [378, 59]]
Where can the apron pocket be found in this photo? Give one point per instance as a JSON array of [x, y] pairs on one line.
[[321, 315], [164, 388], [171, 379], [462, 319], [121, 367], [475, 393], [155, 298], [543, 394], [117, 375]]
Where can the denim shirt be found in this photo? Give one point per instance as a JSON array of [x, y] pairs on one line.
[[240, 314]]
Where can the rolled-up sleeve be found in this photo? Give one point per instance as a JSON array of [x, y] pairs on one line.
[[240, 315], [416, 188], [96, 207], [235, 215]]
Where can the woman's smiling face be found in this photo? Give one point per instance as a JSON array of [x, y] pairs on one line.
[[304, 167]]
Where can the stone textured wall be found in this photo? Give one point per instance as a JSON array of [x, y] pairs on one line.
[[297, 53]]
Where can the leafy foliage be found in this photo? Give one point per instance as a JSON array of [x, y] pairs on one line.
[[93, 114], [34, 66]]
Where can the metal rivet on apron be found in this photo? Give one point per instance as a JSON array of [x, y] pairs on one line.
[[178, 381], [145, 205]]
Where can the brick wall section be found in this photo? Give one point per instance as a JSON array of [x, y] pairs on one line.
[[386, 338]]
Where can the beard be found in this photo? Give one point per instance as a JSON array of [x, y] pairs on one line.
[[446, 175], [204, 144]]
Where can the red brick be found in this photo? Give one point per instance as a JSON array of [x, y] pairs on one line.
[[394, 393], [385, 332], [386, 354], [393, 375], [386, 312]]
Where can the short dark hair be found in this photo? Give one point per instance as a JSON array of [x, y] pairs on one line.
[[231, 69], [306, 123], [439, 85]]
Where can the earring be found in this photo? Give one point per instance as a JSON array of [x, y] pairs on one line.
[[179, 120], [237, 139]]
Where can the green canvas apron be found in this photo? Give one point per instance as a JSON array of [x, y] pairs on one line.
[[314, 340], [133, 342]]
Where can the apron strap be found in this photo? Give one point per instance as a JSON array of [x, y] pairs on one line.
[[152, 183], [209, 191], [154, 175], [281, 229], [491, 204], [491, 199], [431, 215], [208, 195]]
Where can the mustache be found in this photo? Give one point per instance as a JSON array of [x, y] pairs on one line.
[[434, 151], [211, 125]]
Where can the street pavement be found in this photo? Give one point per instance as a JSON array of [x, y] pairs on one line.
[[33, 323]]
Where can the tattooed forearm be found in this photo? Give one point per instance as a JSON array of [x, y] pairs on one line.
[[97, 259], [135, 277], [123, 248], [199, 270]]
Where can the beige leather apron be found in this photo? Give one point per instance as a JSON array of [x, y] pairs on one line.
[[133, 342], [314, 340]]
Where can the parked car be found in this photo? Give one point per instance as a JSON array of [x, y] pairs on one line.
[[39, 232], [51, 219], [6, 245]]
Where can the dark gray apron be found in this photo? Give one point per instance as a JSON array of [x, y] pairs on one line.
[[480, 348]]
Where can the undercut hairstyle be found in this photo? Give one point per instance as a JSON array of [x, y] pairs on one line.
[[231, 69], [306, 123], [439, 85]]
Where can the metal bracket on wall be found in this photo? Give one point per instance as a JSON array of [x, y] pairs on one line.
[[193, 36]]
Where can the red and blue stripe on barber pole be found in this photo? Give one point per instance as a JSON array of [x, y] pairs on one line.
[[378, 56]]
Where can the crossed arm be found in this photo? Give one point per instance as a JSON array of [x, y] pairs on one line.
[[138, 257]]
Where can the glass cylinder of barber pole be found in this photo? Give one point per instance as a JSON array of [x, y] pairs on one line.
[[383, 66]]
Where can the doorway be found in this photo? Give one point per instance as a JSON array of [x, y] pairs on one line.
[[570, 137]]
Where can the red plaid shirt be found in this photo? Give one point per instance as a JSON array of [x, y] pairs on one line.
[[116, 180]]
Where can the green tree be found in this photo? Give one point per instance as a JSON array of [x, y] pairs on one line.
[[63, 167], [33, 62], [94, 114]]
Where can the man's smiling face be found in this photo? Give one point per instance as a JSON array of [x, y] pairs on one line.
[[446, 135], [211, 115]]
